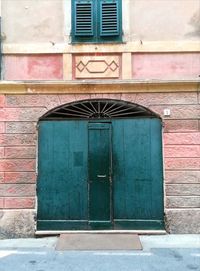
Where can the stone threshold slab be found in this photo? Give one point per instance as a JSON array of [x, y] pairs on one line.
[[104, 241]]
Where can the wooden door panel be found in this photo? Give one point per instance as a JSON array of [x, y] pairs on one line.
[[62, 179], [99, 163], [76, 161], [137, 173]]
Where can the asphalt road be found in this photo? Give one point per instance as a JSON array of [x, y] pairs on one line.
[[162, 253]]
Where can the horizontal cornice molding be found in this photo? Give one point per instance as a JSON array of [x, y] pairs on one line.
[[98, 86], [137, 46]]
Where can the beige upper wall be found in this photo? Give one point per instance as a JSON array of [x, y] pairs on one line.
[[29, 21], [165, 20], [36, 21]]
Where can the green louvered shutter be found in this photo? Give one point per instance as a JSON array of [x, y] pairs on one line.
[[96, 21], [84, 18], [109, 20]]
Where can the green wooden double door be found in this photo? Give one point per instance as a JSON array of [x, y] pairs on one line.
[[100, 175]]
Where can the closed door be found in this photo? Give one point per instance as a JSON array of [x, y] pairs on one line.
[[62, 175], [99, 175], [137, 174]]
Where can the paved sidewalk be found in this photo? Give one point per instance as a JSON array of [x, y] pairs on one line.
[[160, 253]]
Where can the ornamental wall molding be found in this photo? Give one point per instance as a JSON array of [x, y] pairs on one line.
[[98, 86]]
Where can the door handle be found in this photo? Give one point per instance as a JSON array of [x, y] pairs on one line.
[[101, 176]]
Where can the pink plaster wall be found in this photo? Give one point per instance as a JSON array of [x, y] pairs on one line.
[[33, 67], [166, 65]]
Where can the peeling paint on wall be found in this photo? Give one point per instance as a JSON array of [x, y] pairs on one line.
[[33, 67]]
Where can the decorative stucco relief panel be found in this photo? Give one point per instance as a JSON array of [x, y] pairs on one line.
[[96, 66]]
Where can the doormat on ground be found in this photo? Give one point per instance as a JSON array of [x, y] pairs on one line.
[[98, 241]]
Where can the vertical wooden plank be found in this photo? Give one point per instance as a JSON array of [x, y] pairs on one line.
[[119, 168], [62, 179], [99, 157], [137, 171], [157, 170]]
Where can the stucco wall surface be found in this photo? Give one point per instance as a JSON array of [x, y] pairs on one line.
[[164, 20], [164, 66], [28, 21], [33, 67]]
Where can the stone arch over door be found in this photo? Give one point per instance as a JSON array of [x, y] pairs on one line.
[[100, 167], [98, 109]]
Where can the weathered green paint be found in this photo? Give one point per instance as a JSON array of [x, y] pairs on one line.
[[62, 175], [99, 165], [139, 224], [63, 225], [71, 156], [91, 21], [137, 171]]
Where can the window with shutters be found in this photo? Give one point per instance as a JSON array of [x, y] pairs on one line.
[[96, 21]]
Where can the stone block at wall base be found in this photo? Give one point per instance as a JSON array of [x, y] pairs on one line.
[[17, 224], [182, 221]]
